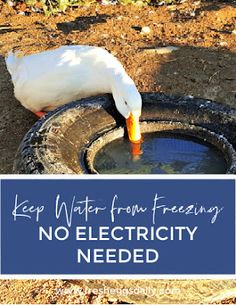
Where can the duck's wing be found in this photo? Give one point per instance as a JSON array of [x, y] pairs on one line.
[[13, 61]]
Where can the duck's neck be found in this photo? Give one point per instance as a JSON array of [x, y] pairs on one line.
[[122, 87], [119, 80]]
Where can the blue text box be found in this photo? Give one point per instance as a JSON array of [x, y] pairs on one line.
[[111, 226]]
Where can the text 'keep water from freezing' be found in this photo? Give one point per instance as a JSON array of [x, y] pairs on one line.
[[87, 207]]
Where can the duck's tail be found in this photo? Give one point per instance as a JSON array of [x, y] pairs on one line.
[[12, 61]]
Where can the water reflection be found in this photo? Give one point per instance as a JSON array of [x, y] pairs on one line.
[[161, 154]]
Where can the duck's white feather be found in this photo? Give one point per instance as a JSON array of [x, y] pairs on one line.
[[49, 79]]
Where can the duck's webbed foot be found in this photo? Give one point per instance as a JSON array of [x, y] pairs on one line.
[[40, 114]]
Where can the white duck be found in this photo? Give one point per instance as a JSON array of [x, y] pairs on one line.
[[46, 80]]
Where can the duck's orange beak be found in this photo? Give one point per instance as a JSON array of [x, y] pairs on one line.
[[136, 150], [133, 128], [134, 135]]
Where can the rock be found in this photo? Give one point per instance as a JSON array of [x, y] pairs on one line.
[[145, 30], [10, 3], [162, 50], [36, 10], [104, 35], [105, 2], [223, 43], [140, 3]]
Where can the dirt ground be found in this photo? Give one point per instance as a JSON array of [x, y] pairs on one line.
[[204, 65], [157, 292]]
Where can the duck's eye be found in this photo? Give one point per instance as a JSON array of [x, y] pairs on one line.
[[126, 103]]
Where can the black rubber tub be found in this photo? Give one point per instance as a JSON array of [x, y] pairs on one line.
[[66, 141]]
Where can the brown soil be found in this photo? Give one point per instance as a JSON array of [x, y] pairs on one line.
[[204, 65], [77, 292]]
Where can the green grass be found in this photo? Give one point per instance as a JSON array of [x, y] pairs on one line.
[[56, 6]]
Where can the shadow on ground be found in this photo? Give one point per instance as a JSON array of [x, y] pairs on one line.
[[200, 72], [15, 121], [6, 28], [82, 23]]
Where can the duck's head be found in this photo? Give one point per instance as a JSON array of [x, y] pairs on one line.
[[129, 103]]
